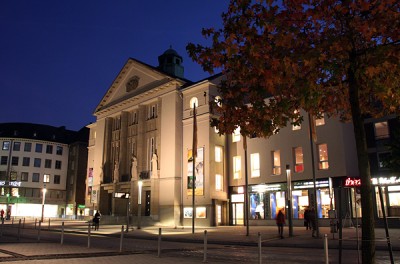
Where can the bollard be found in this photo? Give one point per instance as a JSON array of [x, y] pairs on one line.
[[19, 229], [62, 233], [259, 248], [159, 242], [88, 239], [205, 246], [49, 225], [40, 225], [122, 237], [326, 248], [35, 222]]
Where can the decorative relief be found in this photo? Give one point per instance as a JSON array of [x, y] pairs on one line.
[[132, 84]]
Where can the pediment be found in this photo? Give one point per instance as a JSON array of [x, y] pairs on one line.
[[133, 79]]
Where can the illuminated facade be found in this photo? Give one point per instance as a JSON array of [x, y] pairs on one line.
[[34, 157]]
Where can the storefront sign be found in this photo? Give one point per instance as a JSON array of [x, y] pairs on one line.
[[12, 183], [356, 182], [352, 182], [310, 184]]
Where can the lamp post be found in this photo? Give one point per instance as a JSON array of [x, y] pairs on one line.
[[44, 190], [140, 184], [289, 199]]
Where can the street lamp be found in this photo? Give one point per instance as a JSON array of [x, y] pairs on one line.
[[44, 190], [289, 199], [140, 184]]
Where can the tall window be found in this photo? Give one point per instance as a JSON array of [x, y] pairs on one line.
[[6, 145], [35, 177], [4, 160], [49, 149], [58, 165], [46, 178], [218, 154], [59, 150], [236, 135], [14, 161], [296, 127], [237, 167], [39, 148], [26, 161], [193, 101], [57, 179], [381, 130], [37, 162], [17, 146], [320, 121], [276, 162], [47, 163], [151, 151], [27, 147], [219, 182], [298, 159], [24, 176], [323, 156], [255, 164]]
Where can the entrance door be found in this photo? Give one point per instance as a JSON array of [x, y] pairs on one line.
[[147, 206], [237, 213]]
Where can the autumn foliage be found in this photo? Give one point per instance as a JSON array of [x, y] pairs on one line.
[[334, 57]]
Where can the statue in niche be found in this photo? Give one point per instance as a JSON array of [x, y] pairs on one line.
[[154, 166], [116, 171], [134, 173]]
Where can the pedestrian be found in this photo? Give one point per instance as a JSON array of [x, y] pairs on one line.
[[2, 215], [307, 222], [96, 220], [280, 222], [313, 222]]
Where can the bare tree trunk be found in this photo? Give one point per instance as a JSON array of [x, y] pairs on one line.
[[368, 219]]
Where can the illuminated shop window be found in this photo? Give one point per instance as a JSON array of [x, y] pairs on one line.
[[323, 156], [298, 159]]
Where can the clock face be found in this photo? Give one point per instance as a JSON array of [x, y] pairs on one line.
[[132, 84]]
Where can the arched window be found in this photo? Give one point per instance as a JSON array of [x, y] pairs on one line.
[[194, 101]]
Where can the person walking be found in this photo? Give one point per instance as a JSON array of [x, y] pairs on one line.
[[2, 215], [307, 222], [96, 220], [280, 222], [313, 222]]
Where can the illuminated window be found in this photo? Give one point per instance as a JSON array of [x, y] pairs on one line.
[[217, 100], [381, 130], [59, 150], [236, 135], [219, 182], [298, 159], [46, 178], [320, 121], [255, 164], [237, 167], [276, 162], [323, 156], [193, 101], [6, 145], [296, 127], [218, 154]]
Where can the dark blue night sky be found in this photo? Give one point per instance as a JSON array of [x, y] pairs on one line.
[[58, 58]]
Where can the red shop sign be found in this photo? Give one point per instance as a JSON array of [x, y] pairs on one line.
[[352, 182]]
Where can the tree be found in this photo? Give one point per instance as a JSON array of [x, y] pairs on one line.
[[340, 58]]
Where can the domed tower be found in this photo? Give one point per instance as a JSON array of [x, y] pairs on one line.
[[171, 62]]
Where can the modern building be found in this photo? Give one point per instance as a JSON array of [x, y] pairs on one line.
[[141, 164], [34, 168]]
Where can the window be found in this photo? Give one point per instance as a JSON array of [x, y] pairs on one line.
[[47, 163], [14, 161], [27, 147], [152, 112], [39, 148], [24, 176], [236, 135], [381, 130], [58, 164], [46, 178], [59, 150], [255, 164], [323, 156], [57, 179], [26, 161], [35, 177], [193, 101], [298, 159], [6, 145], [4, 160], [236, 167], [37, 162], [383, 158], [13, 175], [218, 154], [49, 149], [296, 127], [219, 184], [320, 121], [17, 146], [276, 162]]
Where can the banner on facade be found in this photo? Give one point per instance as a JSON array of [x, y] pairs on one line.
[[199, 172], [90, 177]]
